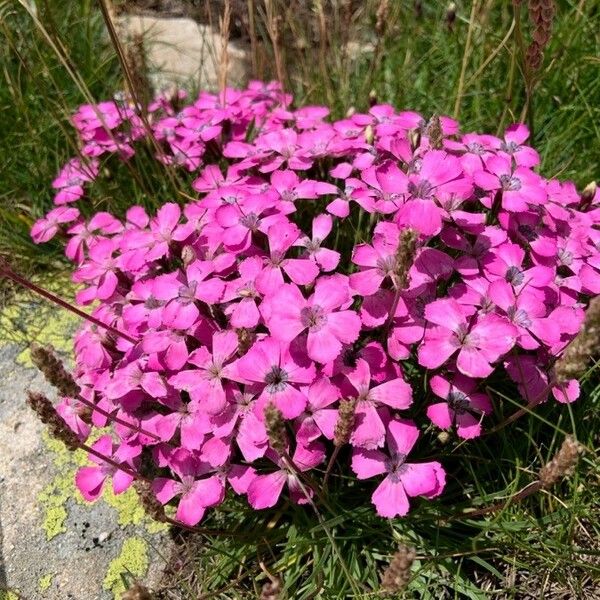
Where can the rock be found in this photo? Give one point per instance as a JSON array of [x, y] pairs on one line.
[[54, 545], [180, 52]]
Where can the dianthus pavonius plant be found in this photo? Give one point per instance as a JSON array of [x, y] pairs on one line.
[[326, 286]]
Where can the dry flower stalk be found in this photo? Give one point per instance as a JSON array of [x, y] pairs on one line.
[[138, 66], [48, 415], [573, 363], [407, 248], [150, 504], [275, 426], [397, 575], [562, 464], [137, 592], [345, 422], [541, 15], [434, 132], [51, 366]]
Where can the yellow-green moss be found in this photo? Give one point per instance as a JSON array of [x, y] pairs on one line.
[[133, 561], [45, 582], [8, 595]]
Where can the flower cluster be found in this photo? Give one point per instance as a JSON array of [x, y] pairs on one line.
[[271, 321]]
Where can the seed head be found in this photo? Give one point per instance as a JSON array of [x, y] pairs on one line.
[[562, 464], [275, 426], [188, 255], [48, 415], [151, 505], [587, 196], [44, 358], [397, 575], [405, 254], [434, 132], [345, 422], [137, 592]]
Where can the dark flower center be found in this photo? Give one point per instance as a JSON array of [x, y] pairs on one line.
[[514, 275], [396, 466], [313, 317], [276, 379], [422, 189], [458, 402], [509, 183]]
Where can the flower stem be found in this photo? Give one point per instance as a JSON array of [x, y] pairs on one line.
[[8, 272]]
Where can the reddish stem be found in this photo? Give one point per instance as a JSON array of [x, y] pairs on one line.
[[8, 272], [116, 419]]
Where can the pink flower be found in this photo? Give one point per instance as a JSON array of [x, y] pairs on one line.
[[205, 384], [371, 411], [328, 327], [326, 259], [520, 187], [301, 271], [45, 229], [196, 492], [71, 179], [280, 368], [402, 479], [264, 491], [463, 406], [90, 480], [477, 344], [320, 416]]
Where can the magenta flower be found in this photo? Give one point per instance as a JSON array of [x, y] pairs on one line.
[[90, 480], [320, 416], [264, 490], [478, 344], [403, 480], [372, 402], [71, 179], [196, 492], [520, 188], [328, 327], [326, 259], [280, 368], [45, 229], [463, 407], [205, 383], [301, 271]]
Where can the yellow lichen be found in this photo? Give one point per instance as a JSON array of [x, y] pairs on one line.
[[8, 595], [30, 318], [45, 582], [127, 505], [133, 561]]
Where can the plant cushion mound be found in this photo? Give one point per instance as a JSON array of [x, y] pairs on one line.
[[381, 259]]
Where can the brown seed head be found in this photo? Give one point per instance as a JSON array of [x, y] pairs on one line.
[[275, 425], [48, 415], [151, 505], [44, 358], [397, 575], [405, 254], [562, 464], [345, 422], [433, 130], [586, 345], [188, 255], [587, 196], [137, 592]]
